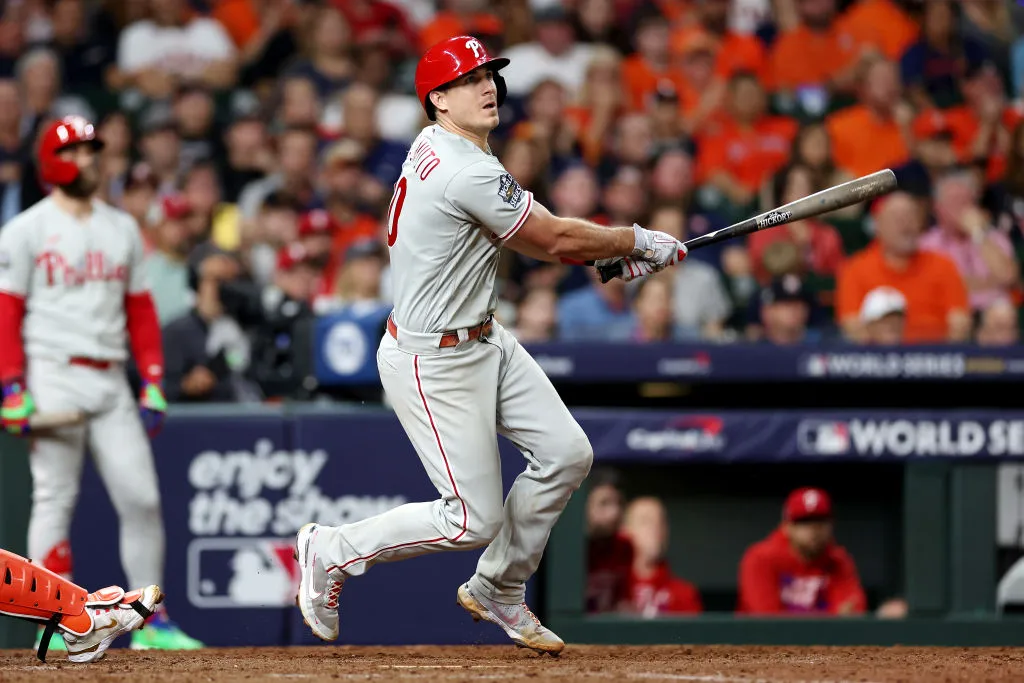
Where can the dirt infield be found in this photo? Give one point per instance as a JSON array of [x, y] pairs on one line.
[[715, 664]]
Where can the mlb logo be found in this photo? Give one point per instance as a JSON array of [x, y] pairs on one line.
[[242, 572], [823, 438], [816, 365]]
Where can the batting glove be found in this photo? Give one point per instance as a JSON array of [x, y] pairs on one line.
[[17, 407], [657, 248], [153, 408]]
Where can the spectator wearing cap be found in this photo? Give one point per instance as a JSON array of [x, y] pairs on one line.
[[654, 590], [206, 351], [736, 52], [883, 315], [652, 310], [166, 267], [746, 147], [937, 304], [932, 67], [879, 116], [643, 71], [821, 250], [553, 54], [785, 307], [934, 153], [376, 20], [295, 174], [964, 233], [799, 568], [160, 145], [461, 18], [348, 194], [694, 317], [156, 54], [999, 325], [329, 66]]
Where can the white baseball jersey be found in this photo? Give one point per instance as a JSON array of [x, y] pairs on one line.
[[453, 207], [74, 275]]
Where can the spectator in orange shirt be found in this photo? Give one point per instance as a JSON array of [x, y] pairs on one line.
[[881, 23], [701, 92], [601, 100], [818, 242], [642, 72], [799, 568], [736, 52], [461, 18], [816, 58], [937, 307], [872, 135], [964, 233], [654, 591], [736, 156], [609, 552]]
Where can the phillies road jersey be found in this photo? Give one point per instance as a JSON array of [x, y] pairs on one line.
[[74, 275], [453, 207]]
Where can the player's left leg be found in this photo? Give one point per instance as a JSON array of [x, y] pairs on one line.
[[88, 622], [532, 415], [124, 461]]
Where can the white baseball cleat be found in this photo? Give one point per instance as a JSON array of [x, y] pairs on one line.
[[521, 625], [110, 613], [318, 591]]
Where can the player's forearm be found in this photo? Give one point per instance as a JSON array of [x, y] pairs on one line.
[[12, 353], [144, 336], [580, 240]]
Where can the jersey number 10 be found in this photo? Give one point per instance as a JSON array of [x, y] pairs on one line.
[[395, 210]]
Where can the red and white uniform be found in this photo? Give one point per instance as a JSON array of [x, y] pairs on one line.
[[72, 298], [661, 593], [774, 580], [453, 208]]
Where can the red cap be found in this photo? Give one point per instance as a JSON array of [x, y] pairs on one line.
[[175, 206], [317, 222], [290, 256], [450, 59], [806, 503]]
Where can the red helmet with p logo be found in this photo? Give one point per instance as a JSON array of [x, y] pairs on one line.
[[451, 59], [59, 135]]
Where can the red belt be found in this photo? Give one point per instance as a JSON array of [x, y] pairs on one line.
[[90, 362], [451, 337]]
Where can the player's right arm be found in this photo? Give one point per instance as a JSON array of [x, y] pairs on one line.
[[16, 262], [547, 237]]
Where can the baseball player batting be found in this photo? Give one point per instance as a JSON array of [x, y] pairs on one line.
[[86, 622], [72, 293], [456, 377]]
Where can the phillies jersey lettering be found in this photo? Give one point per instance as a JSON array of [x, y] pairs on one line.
[[453, 207], [74, 274], [804, 593]]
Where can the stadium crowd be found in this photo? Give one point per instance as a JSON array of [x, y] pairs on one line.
[[257, 142]]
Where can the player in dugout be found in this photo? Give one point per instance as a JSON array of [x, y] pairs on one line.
[[800, 569]]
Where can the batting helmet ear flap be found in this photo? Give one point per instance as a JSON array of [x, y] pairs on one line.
[[499, 84]]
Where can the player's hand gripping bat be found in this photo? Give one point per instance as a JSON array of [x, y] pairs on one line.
[[842, 195]]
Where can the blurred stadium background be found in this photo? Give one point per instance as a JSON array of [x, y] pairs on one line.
[[870, 354]]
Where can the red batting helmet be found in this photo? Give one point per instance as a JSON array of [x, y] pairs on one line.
[[450, 59], [61, 134]]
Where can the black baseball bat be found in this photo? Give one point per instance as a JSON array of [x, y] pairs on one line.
[[845, 194]]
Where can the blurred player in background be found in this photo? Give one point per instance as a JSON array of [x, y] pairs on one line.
[[609, 552], [73, 296], [800, 568]]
